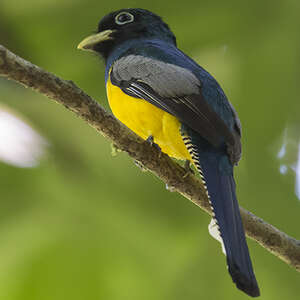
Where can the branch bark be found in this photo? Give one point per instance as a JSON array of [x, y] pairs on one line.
[[68, 94]]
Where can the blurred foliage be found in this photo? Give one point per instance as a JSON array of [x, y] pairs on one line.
[[87, 225]]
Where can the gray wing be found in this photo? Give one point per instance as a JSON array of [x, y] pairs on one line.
[[166, 79], [177, 91]]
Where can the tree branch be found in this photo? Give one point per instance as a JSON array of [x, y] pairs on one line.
[[68, 94]]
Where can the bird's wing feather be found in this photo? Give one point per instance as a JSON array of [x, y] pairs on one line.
[[176, 90]]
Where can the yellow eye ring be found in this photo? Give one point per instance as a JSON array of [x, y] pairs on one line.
[[124, 18]]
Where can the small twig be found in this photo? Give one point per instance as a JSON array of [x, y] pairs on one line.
[[68, 94]]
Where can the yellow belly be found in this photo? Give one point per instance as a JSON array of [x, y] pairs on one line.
[[146, 119]]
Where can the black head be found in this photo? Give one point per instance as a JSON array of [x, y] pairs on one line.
[[123, 25]]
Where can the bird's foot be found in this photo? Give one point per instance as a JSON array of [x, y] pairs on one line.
[[150, 140], [188, 169]]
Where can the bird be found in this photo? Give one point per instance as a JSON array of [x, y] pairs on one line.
[[169, 100]]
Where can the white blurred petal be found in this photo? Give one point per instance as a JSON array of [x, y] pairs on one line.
[[20, 145], [289, 154], [283, 169], [282, 151]]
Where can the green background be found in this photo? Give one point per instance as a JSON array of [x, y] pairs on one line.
[[87, 225]]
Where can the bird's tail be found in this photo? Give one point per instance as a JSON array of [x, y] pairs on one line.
[[217, 174]]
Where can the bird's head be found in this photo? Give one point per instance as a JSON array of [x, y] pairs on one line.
[[123, 25]]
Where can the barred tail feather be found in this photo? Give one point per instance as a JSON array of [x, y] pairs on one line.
[[217, 174]]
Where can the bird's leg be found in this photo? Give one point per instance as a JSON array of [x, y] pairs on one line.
[[150, 140], [188, 169]]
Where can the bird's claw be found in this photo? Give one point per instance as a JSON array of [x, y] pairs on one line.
[[150, 140]]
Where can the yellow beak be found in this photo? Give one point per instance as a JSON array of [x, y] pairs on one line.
[[89, 42]]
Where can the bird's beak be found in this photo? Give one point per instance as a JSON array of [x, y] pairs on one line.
[[89, 42]]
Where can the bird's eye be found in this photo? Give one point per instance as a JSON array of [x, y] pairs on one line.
[[123, 18]]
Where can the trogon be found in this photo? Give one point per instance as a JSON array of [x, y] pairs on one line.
[[166, 97]]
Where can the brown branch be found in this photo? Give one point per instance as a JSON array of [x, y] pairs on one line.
[[68, 94]]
